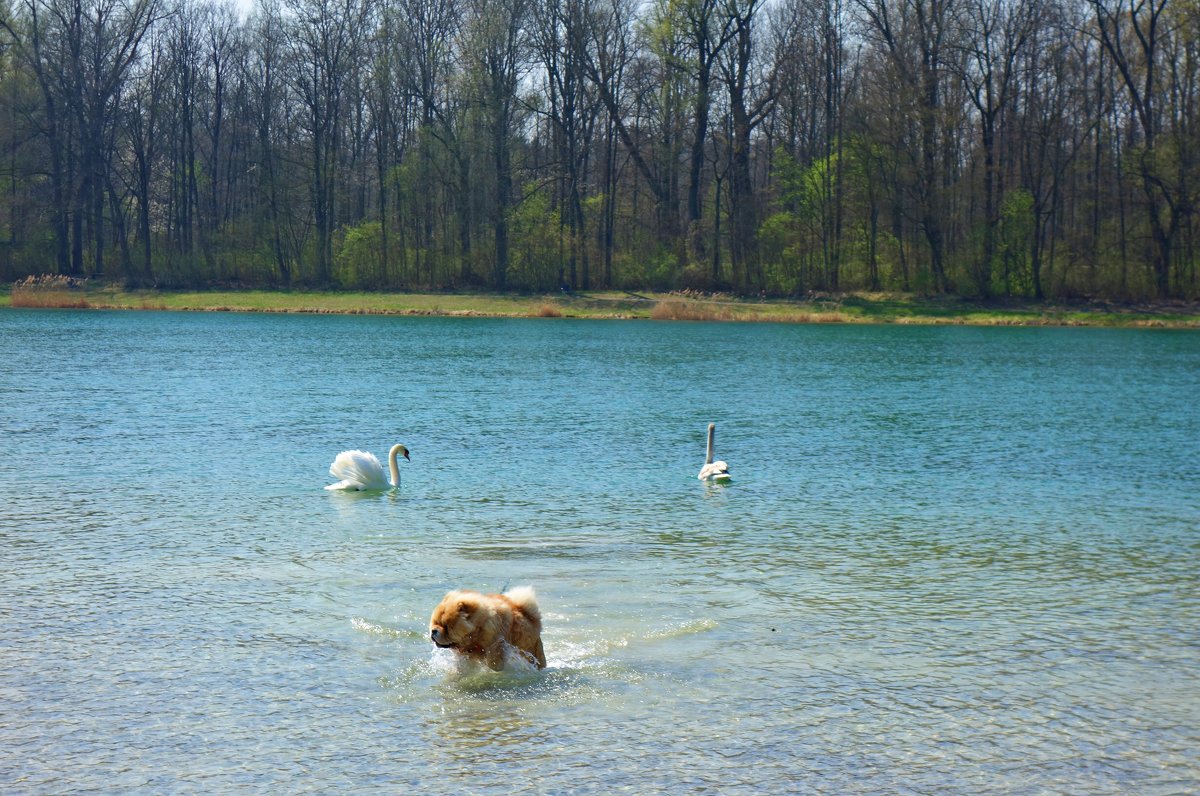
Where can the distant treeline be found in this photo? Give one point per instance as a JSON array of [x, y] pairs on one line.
[[1038, 148]]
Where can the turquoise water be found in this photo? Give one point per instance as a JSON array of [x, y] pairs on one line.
[[952, 560]]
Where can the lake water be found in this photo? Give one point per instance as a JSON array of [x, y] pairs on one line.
[[953, 560]]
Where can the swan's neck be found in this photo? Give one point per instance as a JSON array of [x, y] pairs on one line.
[[393, 466], [712, 430]]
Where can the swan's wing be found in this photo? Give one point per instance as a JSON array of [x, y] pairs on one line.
[[357, 470], [716, 471]]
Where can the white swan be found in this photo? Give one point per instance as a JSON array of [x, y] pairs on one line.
[[361, 471], [713, 471]]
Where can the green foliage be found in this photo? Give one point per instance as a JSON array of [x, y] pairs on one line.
[[778, 245], [662, 271], [657, 270], [788, 176], [811, 191], [359, 260], [534, 257], [888, 251], [1012, 274], [800, 243]]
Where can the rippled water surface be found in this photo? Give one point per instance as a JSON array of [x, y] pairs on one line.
[[953, 560]]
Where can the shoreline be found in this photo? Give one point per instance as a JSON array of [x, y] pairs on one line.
[[851, 308]]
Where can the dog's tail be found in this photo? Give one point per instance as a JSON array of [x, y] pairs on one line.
[[524, 598]]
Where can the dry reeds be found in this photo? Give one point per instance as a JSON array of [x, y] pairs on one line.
[[672, 310], [809, 317], [49, 291], [548, 311]]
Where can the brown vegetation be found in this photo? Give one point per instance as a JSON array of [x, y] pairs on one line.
[[50, 291], [673, 310], [811, 317]]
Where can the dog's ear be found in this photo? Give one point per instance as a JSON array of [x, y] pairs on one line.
[[464, 608]]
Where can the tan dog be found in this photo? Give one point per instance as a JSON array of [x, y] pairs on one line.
[[480, 626]]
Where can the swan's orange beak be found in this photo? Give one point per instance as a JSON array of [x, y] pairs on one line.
[[406, 457]]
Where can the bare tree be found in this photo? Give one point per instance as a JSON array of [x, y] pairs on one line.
[[603, 52], [1135, 34], [913, 33], [706, 32], [558, 37], [143, 130], [993, 34], [430, 36], [749, 82], [497, 52], [324, 36], [81, 54]]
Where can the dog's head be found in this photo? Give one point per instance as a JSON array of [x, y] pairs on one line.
[[455, 620]]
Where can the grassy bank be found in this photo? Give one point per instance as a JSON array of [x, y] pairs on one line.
[[855, 308]]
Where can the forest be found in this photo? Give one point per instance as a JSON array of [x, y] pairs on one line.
[[1040, 149]]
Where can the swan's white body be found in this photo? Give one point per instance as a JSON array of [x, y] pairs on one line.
[[361, 471], [713, 471]]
